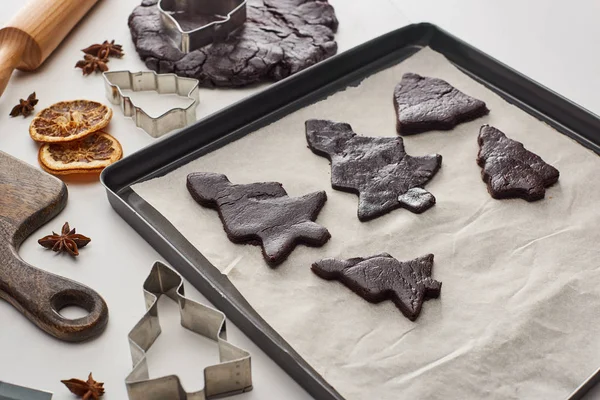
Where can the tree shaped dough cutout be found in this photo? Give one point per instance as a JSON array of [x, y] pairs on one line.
[[425, 104], [407, 283], [376, 168], [510, 170], [262, 214]]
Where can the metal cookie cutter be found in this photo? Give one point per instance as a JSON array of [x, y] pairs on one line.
[[13, 392], [231, 376], [223, 18], [174, 118]]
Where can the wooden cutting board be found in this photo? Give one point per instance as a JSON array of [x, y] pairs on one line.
[[28, 199]]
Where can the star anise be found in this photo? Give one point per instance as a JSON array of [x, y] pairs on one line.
[[25, 107], [90, 64], [105, 50], [68, 241], [87, 390]]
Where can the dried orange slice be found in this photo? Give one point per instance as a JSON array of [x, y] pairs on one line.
[[69, 120], [91, 154]]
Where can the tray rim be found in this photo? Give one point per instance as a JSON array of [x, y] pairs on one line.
[[581, 127]]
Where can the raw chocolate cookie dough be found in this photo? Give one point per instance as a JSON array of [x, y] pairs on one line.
[[407, 283], [425, 104], [262, 214], [510, 170], [279, 38], [376, 168]]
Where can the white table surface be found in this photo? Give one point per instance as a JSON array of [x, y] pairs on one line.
[[555, 43]]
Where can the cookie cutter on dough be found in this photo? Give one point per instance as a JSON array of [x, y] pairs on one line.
[[231, 16], [175, 118], [231, 376]]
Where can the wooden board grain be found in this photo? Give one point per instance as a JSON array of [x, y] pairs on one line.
[[28, 199]]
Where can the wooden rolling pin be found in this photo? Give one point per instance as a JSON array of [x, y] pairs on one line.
[[33, 34]]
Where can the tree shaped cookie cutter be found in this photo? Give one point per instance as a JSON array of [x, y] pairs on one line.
[[174, 118], [222, 17], [231, 376]]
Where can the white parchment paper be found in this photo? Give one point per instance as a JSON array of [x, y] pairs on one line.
[[519, 312]]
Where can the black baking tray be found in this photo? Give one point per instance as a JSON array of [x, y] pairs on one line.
[[283, 98]]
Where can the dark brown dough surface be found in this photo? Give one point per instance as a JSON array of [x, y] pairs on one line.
[[279, 38], [407, 283], [425, 104], [262, 214], [376, 168], [510, 170]]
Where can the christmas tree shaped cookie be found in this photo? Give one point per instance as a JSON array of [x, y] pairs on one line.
[[425, 104], [262, 214], [407, 283], [510, 170], [376, 168]]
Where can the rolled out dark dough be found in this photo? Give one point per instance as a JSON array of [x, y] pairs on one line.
[[279, 38]]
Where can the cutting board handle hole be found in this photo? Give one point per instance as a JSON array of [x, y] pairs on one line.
[[72, 304], [73, 312]]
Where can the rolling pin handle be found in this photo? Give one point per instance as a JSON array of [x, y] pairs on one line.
[[13, 45], [9, 61], [35, 32]]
